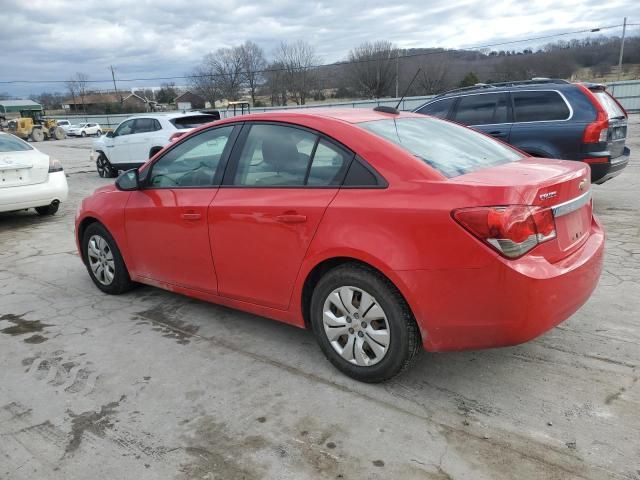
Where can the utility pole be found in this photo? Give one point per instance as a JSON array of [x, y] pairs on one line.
[[624, 30], [397, 69], [115, 88]]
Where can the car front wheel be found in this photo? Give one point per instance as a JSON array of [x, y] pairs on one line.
[[104, 167], [83, 133], [104, 261], [363, 324]]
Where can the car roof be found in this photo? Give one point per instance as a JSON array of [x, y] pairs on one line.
[[544, 84], [168, 115], [348, 115]]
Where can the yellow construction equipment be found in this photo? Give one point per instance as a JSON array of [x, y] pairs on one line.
[[33, 125]]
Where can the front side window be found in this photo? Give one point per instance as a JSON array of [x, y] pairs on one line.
[[192, 163], [482, 109], [125, 128], [450, 149], [438, 109], [539, 106]]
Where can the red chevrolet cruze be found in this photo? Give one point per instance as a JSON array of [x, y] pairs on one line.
[[383, 232]]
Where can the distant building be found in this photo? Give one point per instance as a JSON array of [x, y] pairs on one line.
[[101, 102], [12, 108], [189, 101]]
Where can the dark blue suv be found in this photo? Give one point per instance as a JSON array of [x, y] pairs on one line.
[[544, 118]]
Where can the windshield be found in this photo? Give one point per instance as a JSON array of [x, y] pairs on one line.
[[9, 143], [451, 149]]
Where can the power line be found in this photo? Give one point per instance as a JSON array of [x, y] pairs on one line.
[[338, 63]]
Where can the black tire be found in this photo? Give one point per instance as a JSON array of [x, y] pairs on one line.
[[121, 281], [48, 209], [98, 133], [104, 167], [37, 135], [404, 341]]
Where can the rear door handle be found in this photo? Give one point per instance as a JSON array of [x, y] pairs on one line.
[[191, 216], [291, 218]]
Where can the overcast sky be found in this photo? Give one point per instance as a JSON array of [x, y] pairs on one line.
[[52, 39]]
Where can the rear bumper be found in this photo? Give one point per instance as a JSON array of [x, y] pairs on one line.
[[609, 168], [38, 195], [505, 303]]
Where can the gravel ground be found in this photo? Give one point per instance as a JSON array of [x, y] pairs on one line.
[[152, 385]]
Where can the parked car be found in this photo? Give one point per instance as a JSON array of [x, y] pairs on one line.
[[383, 232], [29, 178], [139, 138], [84, 129], [545, 118], [65, 125]]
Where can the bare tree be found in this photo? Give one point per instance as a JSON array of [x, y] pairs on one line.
[[203, 81], [72, 87], [434, 76], [226, 65], [298, 61], [372, 68], [253, 64], [276, 84], [81, 80]]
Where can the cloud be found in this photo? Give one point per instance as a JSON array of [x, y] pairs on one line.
[[52, 39]]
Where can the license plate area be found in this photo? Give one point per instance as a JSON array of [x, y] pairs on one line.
[[12, 177], [573, 228]]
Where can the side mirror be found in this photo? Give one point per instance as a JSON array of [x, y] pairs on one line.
[[109, 135], [128, 181]]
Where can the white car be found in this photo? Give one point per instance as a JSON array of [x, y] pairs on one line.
[[65, 125], [29, 178], [139, 138], [85, 129]]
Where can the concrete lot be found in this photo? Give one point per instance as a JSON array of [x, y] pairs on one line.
[[152, 385]]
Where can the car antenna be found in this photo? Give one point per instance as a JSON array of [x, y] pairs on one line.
[[394, 110], [407, 89]]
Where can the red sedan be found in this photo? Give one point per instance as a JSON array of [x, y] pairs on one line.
[[383, 232]]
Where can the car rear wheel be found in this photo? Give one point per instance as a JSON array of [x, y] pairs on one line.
[[50, 209], [363, 324], [104, 261], [104, 167], [98, 133]]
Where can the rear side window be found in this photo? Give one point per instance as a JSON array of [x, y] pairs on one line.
[[192, 121], [144, 125], [450, 149], [539, 106], [438, 109], [329, 165], [484, 109]]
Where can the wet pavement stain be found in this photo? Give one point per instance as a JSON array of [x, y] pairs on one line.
[[35, 339], [94, 422], [163, 317], [22, 327]]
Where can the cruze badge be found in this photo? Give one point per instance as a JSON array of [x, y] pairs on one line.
[[548, 195], [582, 184]]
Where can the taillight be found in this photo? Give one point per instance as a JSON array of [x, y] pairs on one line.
[[512, 230], [54, 165], [597, 131], [176, 136]]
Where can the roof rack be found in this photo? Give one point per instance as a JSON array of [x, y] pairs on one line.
[[516, 83]]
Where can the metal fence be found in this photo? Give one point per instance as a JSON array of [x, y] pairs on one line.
[[628, 93]]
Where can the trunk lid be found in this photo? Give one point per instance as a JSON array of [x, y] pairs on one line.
[[23, 168], [563, 186]]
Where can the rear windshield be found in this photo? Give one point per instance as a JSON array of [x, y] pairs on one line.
[[609, 105], [192, 121], [450, 149], [9, 143]]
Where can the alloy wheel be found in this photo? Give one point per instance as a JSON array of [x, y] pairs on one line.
[[356, 326], [101, 260]]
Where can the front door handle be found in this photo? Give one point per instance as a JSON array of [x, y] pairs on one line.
[[191, 216], [291, 218]]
